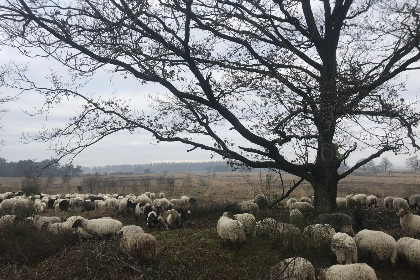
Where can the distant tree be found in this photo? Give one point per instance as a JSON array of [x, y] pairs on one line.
[[412, 163], [385, 164], [368, 166]]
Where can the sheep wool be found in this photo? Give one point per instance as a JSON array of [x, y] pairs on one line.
[[249, 207], [230, 229], [372, 201], [408, 249], [344, 248], [248, 221], [171, 219], [381, 247], [388, 201], [293, 268], [296, 217], [341, 202], [348, 272], [318, 235], [302, 206], [409, 222], [266, 228], [130, 230], [360, 199], [414, 201], [141, 245]]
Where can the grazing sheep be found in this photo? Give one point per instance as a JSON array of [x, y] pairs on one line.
[[130, 230], [306, 199], [152, 196], [360, 199], [344, 248], [143, 200], [266, 228], [290, 201], [293, 268], [409, 222], [161, 204], [161, 195], [141, 245], [88, 205], [350, 201], [185, 215], [122, 206], [377, 245], [348, 272], [63, 205], [339, 221], [388, 201], [98, 227], [318, 235], [408, 249], [304, 207], [371, 201], [400, 203], [414, 201], [248, 221], [131, 206], [230, 230], [171, 219], [296, 217], [249, 207], [8, 205], [341, 202]]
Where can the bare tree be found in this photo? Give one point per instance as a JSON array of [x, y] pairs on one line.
[[413, 163], [368, 166], [303, 83], [385, 164]]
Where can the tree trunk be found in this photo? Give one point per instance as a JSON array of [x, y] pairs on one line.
[[325, 191]]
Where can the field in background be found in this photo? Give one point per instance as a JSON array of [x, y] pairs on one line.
[[232, 186]]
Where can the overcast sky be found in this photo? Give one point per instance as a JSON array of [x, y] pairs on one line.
[[120, 148]]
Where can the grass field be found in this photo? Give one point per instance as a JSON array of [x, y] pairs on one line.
[[194, 252]]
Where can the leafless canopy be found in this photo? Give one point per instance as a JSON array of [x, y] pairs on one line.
[[303, 84]]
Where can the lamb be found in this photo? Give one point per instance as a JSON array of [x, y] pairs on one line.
[[339, 221], [249, 207], [348, 272], [318, 235], [408, 249], [293, 268], [414, 201], [381, 247], [302, 206], [141, 245], [248, 221], [409, 222], [344, 248], [171, 219], [230, 230], [400, 203], [98, 227], [388, 201], [360, 199], [371, 201], [296, 217]]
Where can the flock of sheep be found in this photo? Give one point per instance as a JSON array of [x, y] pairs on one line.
[[158, 211], [336, 230], [332, 231]]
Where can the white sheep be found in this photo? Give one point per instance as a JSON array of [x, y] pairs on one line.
[[348, 272], [248, 221], [290, 201], [249, 207], [302, 206], [341, 202], [400, 203], [381, 247], [230, 229], [344, 248], [296, 217], [161, 204], [351, 202], [293, 268], [409, 222], [306, 199], [98, 227], [360, 199], [143, 199], [408, 249], [141, 245], [152, 196], [161, 195], [388, 201], [40, 221], [371, 201], [318, 235]]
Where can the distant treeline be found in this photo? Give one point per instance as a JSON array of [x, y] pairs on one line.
[[172, 167], [29, 168]]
